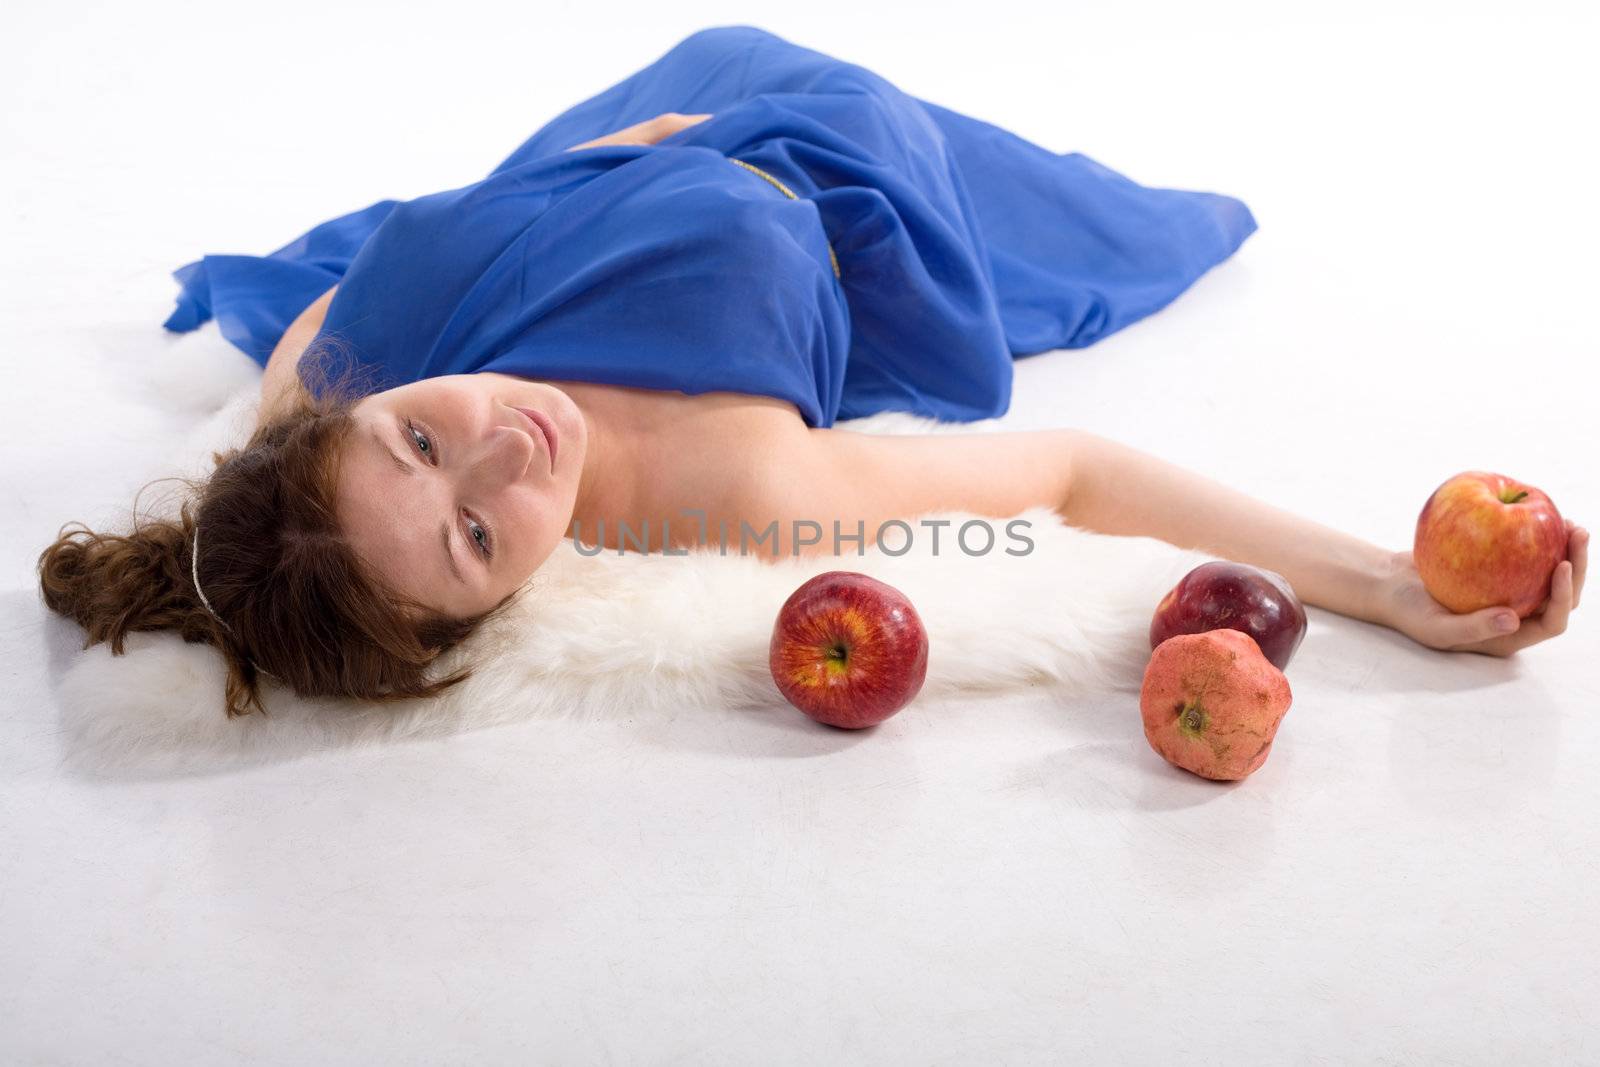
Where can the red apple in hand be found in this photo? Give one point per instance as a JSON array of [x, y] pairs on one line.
[[848, 650], [1484, 539], [1235, 596], [1212, 703]]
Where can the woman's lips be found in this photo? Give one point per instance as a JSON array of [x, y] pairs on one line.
[[547, 429]]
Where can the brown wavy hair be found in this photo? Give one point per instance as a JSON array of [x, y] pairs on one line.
[[298, 603]]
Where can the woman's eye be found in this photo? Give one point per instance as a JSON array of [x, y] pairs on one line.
[[425, 445], [479, 535]]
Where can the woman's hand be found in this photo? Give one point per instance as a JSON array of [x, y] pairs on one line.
[[1402, 603], [650, 131]]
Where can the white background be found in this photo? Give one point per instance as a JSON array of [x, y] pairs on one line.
[[1411, 878]]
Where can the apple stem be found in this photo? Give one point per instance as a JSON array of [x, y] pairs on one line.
[[1516, 499]]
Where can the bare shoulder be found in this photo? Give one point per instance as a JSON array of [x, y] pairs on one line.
[[741, 458], [721, 456]]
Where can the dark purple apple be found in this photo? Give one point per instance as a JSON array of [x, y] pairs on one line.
[[1223, 595], [848, 650]]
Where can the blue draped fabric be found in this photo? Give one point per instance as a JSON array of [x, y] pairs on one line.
[[873, 251]]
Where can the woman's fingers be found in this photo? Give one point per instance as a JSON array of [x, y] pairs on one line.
[[1566, 588], [1475, 632], [650, 131], [1578, 553], [672, 121], [1552, 620]]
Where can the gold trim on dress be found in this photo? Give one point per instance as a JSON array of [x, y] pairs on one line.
[[786, 191]]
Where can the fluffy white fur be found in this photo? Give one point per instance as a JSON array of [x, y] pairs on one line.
[[631, 634]]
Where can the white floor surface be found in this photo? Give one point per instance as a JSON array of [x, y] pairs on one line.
[[1411, 878]]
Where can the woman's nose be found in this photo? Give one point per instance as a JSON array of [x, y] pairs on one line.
[[506, 456]]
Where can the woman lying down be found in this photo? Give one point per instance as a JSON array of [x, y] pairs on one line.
[[658, 306]]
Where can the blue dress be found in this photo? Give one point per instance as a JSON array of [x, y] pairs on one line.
[[824, 238]]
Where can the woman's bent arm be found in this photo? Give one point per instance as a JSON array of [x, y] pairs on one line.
[[1119, 490], [280, 383]]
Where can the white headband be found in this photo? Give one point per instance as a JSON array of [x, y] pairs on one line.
[[194, 572]]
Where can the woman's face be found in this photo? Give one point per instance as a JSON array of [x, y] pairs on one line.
[[449, 491]]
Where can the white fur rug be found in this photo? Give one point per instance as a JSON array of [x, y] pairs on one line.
[[628, 635]]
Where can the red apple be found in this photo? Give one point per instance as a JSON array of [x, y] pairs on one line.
[[1212, 703], [1484, 539], [1227, 595], [848, 650]]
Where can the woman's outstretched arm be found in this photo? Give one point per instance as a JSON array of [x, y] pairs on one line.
[[1102, 485], [1094, 483]]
